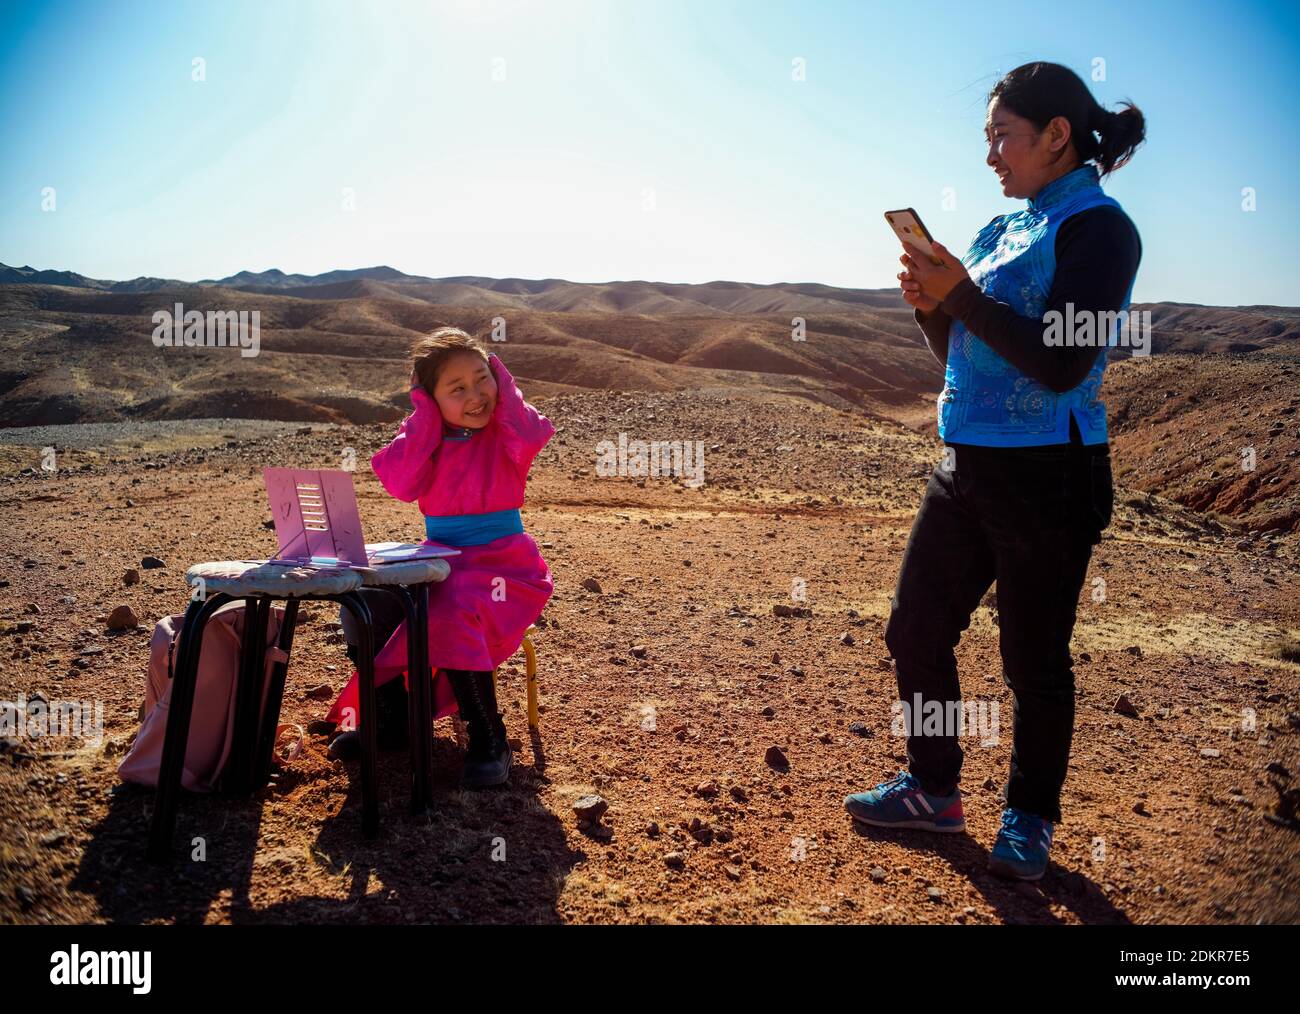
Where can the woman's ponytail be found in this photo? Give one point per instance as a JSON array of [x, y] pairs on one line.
[[1120, 133]]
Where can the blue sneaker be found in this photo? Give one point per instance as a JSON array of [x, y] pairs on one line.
[[1020, 851], [901, 802]]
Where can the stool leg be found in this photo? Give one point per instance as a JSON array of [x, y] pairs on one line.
[[368, 718], [176, 739], [274, 697], [238, 775], [425, 701], [530, 661]]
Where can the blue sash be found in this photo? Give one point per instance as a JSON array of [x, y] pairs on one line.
[[473, 529]]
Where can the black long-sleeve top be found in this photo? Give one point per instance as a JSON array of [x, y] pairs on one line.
[[1097, 256]]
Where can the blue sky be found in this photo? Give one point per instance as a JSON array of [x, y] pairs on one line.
[[612, 140]]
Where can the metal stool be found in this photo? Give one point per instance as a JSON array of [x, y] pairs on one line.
[[530, 671]]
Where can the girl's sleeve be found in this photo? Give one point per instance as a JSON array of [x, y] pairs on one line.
[[405, 466], [524, 429]]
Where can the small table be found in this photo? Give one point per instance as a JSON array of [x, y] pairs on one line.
[[259, 584]]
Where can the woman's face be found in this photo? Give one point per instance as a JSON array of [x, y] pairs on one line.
[[466, 391], [1024, 158]]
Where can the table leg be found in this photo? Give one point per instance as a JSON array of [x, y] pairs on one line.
[[238, 776], [426, 692], [176, 740], [368, 718], [275, 697]]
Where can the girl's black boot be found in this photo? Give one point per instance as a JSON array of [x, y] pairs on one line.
[[488, 760]]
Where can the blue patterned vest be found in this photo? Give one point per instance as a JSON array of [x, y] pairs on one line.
[[986, 400]]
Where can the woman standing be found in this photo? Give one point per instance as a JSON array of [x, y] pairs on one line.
[[1024, 490]]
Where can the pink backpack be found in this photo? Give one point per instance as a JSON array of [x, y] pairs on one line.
[[212, 723]]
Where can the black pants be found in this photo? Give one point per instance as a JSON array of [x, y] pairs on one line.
[[1026, 518], [386, 615]]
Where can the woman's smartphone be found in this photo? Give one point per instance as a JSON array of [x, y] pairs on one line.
[[909, 228]]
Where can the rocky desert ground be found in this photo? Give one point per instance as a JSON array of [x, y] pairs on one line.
[[721, 719]]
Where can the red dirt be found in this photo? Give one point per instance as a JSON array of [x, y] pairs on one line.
[[691, 575]]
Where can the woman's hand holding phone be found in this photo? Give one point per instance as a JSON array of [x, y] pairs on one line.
[[933, 281], [912, 293], [929, 272]]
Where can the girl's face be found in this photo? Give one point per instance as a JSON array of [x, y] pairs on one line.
[[1024, 158], [466, 391]]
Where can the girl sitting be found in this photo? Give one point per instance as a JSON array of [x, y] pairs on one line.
[[464, 454]]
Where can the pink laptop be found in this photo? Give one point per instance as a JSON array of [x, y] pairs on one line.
[[317, 523]]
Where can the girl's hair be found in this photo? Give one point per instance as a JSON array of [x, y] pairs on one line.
[[430, 353], [1040, 91]]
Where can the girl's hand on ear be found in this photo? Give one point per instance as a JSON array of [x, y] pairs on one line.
[[935, 280], [422, 400]]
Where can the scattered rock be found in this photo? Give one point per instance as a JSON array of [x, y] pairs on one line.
[[1209, 752], [675, 861], [707, 789], [638, 651], [847, 639], [122, 618], [860, 729], [1123, 706], [590, 809], [878, 874], [592, 585], [151, 563], [321, 692], [776, 758], [131, 576]]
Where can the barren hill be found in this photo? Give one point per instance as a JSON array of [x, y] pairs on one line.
[[1220, 379]]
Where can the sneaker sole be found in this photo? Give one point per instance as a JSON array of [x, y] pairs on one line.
[[1000, 869], [911, 825]]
